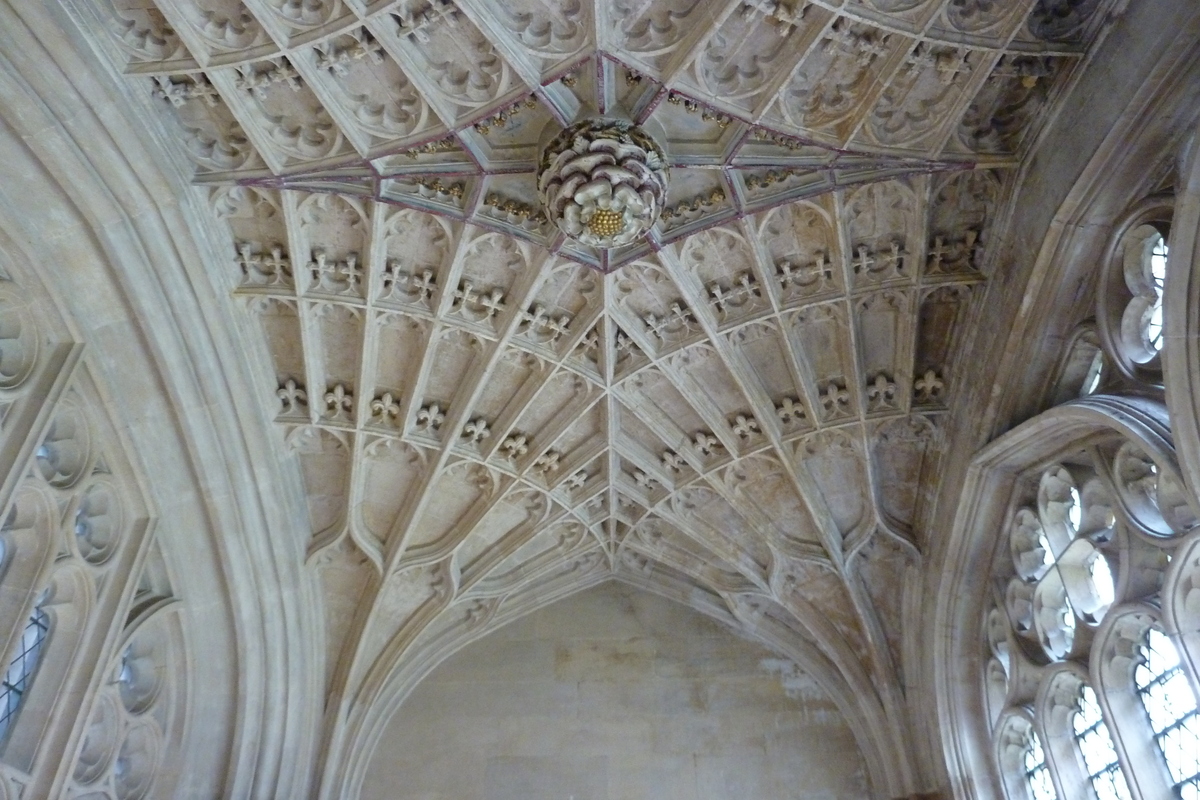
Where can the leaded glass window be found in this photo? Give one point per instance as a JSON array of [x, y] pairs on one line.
[[1041, 787], [1096, 745], [1171, 706], [22, 667]]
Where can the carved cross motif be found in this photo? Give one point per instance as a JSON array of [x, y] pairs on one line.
[[677, 319], [340, 277], [744, 289], [810, 276], [273, 270], [576, 481], [488, 304], [417, 288], [537, 321]]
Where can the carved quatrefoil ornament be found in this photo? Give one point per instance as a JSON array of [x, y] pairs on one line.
[[603, 182]]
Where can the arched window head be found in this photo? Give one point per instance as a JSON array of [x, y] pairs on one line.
[[1096, 746], [22, 668], [1041, 787], [1171, 707]]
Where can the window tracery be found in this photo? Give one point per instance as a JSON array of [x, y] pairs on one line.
[[1092, 542]]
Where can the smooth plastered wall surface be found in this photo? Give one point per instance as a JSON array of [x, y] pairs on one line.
[[616, 694]]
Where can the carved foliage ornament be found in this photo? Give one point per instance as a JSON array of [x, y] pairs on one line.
[[603, 182]]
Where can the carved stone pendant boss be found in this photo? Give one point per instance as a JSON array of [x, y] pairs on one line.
[[603, 182]]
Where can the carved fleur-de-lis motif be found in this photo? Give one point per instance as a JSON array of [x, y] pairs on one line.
[[835, 400], [547, 462], [790, 411], [929, 387], [293, 397], [385, 409], [339, 402], [577, 480], [643, 480], [476, 430], [515, 446], [430, 417], [744, 426], [673, 461], [881, 393], [706, 443]]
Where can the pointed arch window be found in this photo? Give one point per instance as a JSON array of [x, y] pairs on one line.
[[1096, 746], [22, 668], [1041, 787], [1164, 691]]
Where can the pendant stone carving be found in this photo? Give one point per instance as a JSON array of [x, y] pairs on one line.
[[603, 182]]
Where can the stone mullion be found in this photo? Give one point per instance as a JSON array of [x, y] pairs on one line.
[[742, 374], [473, 384], [856, 383]]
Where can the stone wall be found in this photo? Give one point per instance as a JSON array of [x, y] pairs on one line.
[[615, 694]]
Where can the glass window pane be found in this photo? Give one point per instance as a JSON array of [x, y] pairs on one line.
[[20, 670], [1040, 785], [1171, 707], [1096, 745]]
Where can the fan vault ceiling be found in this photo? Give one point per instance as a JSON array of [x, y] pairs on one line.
[[746, 410]]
